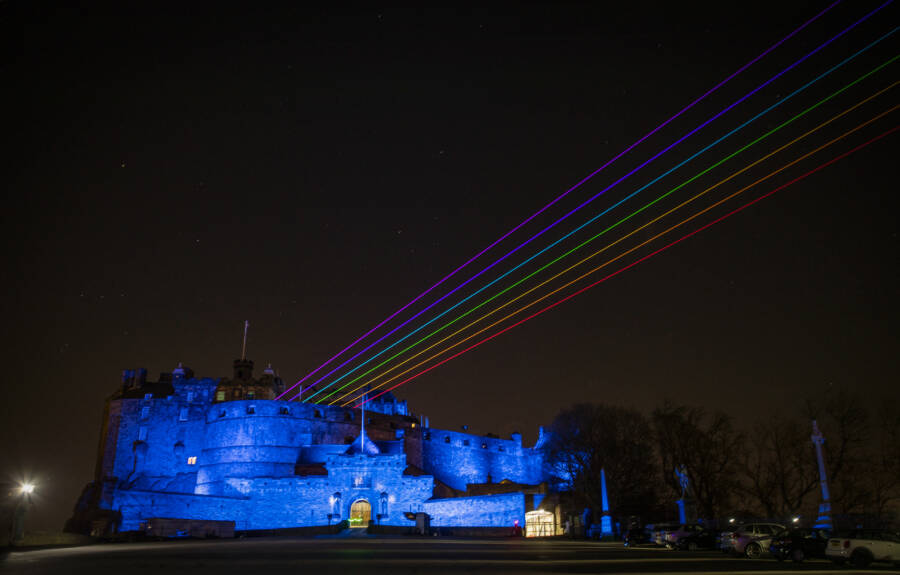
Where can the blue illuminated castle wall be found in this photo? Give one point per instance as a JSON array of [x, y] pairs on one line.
[[199, 448]]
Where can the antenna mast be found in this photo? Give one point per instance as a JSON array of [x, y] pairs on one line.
[[362, 421], [244, 346]]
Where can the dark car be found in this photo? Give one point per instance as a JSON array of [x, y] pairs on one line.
[[636, 536], [703, 539], [799, 544]]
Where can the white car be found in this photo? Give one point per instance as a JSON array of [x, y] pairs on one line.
[[862, 546], [752, 539]]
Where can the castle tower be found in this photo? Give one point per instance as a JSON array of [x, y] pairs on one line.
[[243, 369], [242, 385]]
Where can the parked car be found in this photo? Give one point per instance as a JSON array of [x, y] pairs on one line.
[[863, 546], [636, 536], [799, 544], [672, 536], [724, 540], [659, 531], [703, 539], [752, 539]]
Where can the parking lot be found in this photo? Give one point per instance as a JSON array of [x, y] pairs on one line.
[[393, 555]]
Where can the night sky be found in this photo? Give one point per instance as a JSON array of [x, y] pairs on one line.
[[174, 169]]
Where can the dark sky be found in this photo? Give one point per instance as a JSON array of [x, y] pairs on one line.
[[173, 169]]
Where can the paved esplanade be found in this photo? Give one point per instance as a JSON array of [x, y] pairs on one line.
[[390, 555]]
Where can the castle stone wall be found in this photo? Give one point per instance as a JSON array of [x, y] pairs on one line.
[[248, 438], [482, 511], [137, 506], [459, 458]]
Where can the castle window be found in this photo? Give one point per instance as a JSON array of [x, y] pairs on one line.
[[236, 394], [183, 414], [190, 396], [484, 445], [501, 448], [148, 396], [446, 439], [220, 396], [251, 394], [317, 413], [428, 436], [335, 501], [145, 412], [251, 409], [222, 413], [142, 434], [348, 416], [192, 460], [284, 411], [466, 442]]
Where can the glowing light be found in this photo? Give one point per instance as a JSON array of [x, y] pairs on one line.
[[590, 221], [564, 194], [606, 525], [27, 488], [642, 259], [731, 520], [795, 519], [589, 240]]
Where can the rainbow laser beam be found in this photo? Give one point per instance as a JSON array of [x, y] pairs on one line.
[[604, 212], [592, 198], [577, 185], [589, 200], [636, 262], [598, 252], [625, 253]]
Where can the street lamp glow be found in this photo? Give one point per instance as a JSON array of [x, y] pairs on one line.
[[795, 519], [731, 520], [27, 488]]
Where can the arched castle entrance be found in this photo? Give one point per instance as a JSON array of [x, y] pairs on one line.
[[360, 513]]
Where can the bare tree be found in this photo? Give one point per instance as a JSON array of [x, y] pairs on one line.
[[705, 445], [780, 471], [884, 480], [586, 438]]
